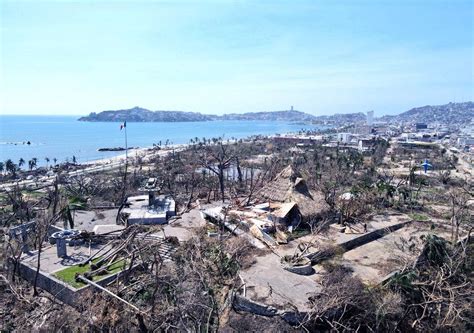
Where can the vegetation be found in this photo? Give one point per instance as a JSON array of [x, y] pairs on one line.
[[194, 290], [68, 275], [432, 295]]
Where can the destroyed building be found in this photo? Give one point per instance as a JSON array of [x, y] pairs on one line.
[[148, 208], [290, 198], [279, 207]]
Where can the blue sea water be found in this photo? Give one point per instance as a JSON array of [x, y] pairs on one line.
[[61, 137]]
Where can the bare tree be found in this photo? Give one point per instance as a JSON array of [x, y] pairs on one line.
[[217, 157], [43, 222], [460, 214]]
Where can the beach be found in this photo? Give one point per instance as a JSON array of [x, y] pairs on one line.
[[63, 137]]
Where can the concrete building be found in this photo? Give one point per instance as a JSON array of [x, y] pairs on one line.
[[465, 141], [370, 118], [365, 144], [344, 137], [421, 126], [148, 208]]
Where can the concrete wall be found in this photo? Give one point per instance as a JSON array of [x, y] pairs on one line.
[[318, 256], [247, 305], [55, 287], [59, 289], [241, 303], [161, 219]]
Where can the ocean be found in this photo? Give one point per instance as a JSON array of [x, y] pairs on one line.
[[62, 137]]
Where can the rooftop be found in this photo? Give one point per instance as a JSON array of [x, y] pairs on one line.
[[140, 211]]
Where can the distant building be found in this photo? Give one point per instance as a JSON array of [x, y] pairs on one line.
[[465, 141], [344, 137], [361, 129], [421, 126], [298, 139], [366, 144], [292, 108], [370, 118]]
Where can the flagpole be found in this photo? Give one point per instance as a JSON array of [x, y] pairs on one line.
[[126, 149], [126, 162], [126, 145]]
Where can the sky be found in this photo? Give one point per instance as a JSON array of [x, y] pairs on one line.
[[322, 57]]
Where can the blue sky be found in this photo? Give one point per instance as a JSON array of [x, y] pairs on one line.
[[323, 57]]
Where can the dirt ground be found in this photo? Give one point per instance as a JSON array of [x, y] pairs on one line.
[[267, 281], [372, 262], [87, 219], [183, 228]]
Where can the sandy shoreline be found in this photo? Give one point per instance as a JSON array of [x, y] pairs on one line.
[[143, 152], [132, 153]]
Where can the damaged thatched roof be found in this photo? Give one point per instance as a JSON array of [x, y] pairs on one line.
[[288, 186]]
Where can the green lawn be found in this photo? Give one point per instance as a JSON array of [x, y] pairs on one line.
[[419, 217], [33, 194], [68, 275]]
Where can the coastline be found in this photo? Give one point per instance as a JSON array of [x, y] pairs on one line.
[[132, 153], [60, 138]]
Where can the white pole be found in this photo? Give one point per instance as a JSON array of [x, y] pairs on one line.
[[84, 279], [126, 146]]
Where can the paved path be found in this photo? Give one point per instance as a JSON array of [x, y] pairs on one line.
[[267, 281]]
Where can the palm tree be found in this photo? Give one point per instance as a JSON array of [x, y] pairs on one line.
[[21, 162], [55, 160], [74, 160], [2, 167], [74, 203], [47, 161], [10, 167], [32, 163]]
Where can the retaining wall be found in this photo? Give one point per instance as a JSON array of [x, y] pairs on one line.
[[61, 290], [318, 256], [55, 287], [242, 303]]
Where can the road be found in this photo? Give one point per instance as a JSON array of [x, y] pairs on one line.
[[99, 166]]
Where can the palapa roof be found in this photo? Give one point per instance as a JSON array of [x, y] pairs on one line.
[[284, 209], [289, 186]]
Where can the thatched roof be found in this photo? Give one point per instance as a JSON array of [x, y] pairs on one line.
[[288, 186]]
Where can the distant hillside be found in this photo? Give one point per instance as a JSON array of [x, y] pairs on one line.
[[288, 115], [451, 113], [138, 114]]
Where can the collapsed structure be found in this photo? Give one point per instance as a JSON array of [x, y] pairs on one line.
[[279, 207], [290, 200], [148, 208]]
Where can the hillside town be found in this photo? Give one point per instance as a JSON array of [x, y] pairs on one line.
[[361, 226]]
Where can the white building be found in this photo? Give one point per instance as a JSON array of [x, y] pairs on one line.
[[370, 118], [344, 137], [147, 208], [139, 210]]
